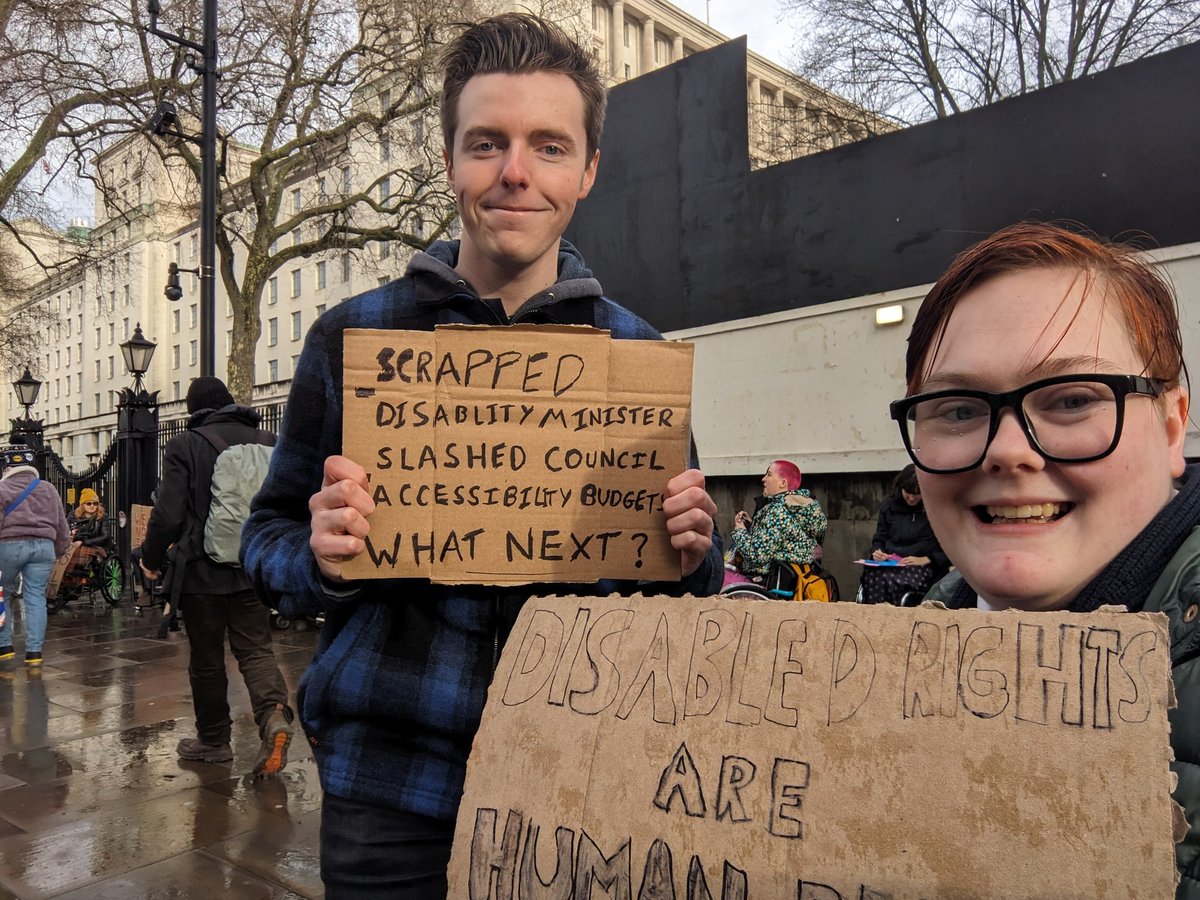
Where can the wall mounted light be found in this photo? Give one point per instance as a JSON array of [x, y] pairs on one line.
[[889, 315]]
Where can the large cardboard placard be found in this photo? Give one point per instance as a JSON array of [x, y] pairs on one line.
[[717, 748], [516, 455]]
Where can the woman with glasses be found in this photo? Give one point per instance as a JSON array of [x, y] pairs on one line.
[[89, 530], [1047, 408]]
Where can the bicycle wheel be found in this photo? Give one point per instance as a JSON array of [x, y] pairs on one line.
[[112, 580]]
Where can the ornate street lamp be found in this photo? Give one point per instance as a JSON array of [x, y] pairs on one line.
[[27, 388], [27, 430], [138, 351], [137, 434]]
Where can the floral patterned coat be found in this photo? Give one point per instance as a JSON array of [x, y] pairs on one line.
[[785, 528]]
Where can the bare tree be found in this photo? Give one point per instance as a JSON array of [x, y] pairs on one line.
[[919, 59], [67, 67], [326, 117]]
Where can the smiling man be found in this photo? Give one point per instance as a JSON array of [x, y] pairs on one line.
[[394, 696]]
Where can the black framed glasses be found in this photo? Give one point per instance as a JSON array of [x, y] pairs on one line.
[[1067, 419]]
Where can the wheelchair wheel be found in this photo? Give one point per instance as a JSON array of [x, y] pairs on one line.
[[747, 591], [66, 593], [111, 578]]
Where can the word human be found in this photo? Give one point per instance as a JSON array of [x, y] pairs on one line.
[[507, 862], [506, 370]]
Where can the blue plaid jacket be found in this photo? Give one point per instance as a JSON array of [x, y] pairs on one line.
[[394, 694]]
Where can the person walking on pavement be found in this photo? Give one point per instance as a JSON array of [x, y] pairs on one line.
[[216, 598], [33, 535]]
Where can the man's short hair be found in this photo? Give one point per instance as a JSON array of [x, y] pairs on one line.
[[520, 44]]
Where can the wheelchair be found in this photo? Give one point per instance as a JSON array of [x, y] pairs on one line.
[[103, 572], [788, 581]]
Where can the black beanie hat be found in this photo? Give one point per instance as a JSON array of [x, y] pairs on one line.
[[207, 392]]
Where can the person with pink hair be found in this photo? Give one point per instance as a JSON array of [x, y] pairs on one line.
[[788, 527]]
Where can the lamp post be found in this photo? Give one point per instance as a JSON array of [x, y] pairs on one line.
[[137, 434], [203, 61], [28, 430]]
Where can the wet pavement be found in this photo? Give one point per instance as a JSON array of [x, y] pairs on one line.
[[93, 801]]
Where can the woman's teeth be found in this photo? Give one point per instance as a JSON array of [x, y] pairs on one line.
[[1040, 512]]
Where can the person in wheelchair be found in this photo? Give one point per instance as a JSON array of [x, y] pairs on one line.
[[89, 531], [788, 526]]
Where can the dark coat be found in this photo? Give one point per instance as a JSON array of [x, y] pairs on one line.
[[905, 530], [182, 501]]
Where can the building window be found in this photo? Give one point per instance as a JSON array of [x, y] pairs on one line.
[[296, 237], [97, 399], [177, 251], [97, 343], [273, 370], [175, 390], [125, 298], [272, 332], [229, 341], [273, 290], [125, 328], [626, 33], [296, 200], [346, 185], [385, 148], [296, 326], [345, 268], [195, 245], [385, 249], [192, 316], [111, 366], [295, 282], [322, 194], [97, 370], [385, 189], [381, 280], [175, 357], [628, 71], [321, 277], [112, 333], [193, 351], [320, 309]]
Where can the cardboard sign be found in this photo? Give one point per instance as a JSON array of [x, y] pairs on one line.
[[140, 519], [713, 748], [60, 569], [516, 455]]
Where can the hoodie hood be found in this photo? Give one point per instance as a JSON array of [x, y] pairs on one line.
[[436, 281], [242, 415]]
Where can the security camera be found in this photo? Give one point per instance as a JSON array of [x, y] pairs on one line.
[[165, 118], [173, 291]]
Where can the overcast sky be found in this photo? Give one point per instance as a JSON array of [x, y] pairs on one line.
[[757, 19]]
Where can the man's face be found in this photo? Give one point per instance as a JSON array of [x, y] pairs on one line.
[[518, 166]]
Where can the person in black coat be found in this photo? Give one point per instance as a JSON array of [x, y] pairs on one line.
[[905, 536], [216, 599]]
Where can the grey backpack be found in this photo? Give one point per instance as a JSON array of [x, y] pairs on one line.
[[238, 473]]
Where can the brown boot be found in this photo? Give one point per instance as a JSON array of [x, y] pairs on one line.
[[276, 736]]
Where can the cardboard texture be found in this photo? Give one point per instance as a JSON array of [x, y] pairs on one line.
[[717, 748], [140, 519], [516, 455], [59, 570]]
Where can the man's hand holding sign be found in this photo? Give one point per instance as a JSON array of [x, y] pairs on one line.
[[512, 455]]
